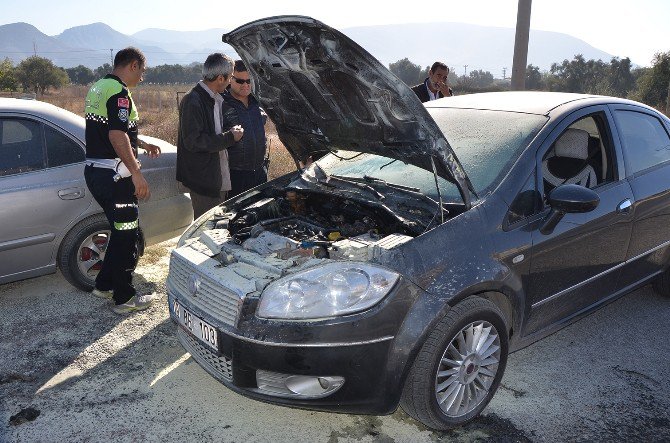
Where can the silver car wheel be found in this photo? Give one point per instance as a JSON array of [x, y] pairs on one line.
[[467, 369], [91, 253]]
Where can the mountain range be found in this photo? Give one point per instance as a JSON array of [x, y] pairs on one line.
[[463, 46]]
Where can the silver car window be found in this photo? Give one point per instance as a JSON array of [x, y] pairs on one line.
[[61, 150], [21, 146]]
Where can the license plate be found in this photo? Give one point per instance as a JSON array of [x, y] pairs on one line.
[[199, 328]]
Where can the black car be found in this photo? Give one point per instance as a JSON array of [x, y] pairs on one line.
[[425, 244]]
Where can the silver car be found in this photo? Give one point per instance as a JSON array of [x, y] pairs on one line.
[[48, 218]]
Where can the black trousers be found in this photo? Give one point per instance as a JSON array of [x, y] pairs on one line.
[[241, 181], [203, 203], [118, 201]]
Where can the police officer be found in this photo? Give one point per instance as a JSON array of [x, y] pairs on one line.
[[114, 178]]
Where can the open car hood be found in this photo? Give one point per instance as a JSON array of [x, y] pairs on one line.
[[324, 92]]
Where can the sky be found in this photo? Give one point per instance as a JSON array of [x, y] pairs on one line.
[[636, 29]]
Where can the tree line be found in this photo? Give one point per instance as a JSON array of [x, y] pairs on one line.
[[650, 85], [617, 78], [38, 74]]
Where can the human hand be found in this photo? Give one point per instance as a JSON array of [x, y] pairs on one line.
[[152, 151], [141, 186], [238, 132], [443, 87]]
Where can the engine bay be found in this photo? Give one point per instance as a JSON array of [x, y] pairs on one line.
[[293, 222]]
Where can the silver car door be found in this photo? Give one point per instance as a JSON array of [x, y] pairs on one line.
[[42, 192]]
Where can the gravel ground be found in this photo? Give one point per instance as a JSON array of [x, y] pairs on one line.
[[71, 370]]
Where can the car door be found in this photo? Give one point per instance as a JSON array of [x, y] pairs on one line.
[[42, 191], [646, 149], [577, 264]]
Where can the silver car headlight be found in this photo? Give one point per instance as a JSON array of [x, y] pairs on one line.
[[326, 291]]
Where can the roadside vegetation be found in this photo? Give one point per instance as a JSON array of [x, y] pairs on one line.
[[158, 97]]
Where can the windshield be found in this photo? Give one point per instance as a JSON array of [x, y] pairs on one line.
[[487, 143], [395, 172]]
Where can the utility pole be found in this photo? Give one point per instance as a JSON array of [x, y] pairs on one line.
[[35, 48], [521, 45], [465, 67], [111, 58], [504, 73]]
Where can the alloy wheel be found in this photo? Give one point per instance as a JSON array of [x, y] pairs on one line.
[[91, 253], [467, 369]]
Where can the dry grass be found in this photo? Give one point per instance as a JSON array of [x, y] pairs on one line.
[[157, 106]]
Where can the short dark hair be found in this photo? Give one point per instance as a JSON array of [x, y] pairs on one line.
[[128, 55], [439, 65], [240, 66]]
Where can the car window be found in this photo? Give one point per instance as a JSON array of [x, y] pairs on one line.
[[645, 141], [21, 146], [61, 150], [527, 202], [582, 154], [487, 143]]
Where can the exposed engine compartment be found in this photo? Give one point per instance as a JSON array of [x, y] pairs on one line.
[[303, 223]]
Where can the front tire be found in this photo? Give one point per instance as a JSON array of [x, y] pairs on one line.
[[459, 367], [83, 250]]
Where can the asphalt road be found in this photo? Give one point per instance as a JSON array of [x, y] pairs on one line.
[[71, 370]]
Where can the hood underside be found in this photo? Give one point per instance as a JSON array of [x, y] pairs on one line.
[[324, 92]]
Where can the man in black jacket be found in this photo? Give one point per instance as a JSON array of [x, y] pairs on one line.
[[247, 158], [435, 86], [202, 141]]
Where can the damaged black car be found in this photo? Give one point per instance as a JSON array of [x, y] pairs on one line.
[[424, 243]]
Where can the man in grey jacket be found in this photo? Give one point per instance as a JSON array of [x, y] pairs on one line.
[[202, 141]]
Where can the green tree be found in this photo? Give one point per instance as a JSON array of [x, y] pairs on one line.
[[579, 75], [170, 74], [534, 78], [102, 71], [8, 81], [653, 85], [80, 75], [406, 71], [480, 78], [621, 78], [39, 74]]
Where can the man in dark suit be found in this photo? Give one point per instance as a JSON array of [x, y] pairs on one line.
[[436, 85]]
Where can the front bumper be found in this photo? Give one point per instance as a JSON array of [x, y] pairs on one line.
[[369, 366]]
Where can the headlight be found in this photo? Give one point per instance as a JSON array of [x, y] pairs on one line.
[[326, 291]]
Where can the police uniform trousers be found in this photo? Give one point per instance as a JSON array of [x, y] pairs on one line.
[[118, 201]]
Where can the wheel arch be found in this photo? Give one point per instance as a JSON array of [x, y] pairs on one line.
[[414, 332]]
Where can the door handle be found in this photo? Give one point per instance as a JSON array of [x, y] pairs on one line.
[[624, 207], [71, 193]]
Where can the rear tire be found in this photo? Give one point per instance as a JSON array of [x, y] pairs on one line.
[[83, 250], [662, 284], [459, 367]]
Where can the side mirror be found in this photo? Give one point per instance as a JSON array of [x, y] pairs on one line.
[[568, 199]]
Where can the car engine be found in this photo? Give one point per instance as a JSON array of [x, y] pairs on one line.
[[300, 223]]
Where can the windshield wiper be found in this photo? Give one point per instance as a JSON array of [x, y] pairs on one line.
[[370, 179], [359, 185]]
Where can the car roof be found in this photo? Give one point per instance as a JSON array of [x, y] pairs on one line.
[[67, 120], [531, 102]]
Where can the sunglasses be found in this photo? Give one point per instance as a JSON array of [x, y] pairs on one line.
[[240, 81]]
